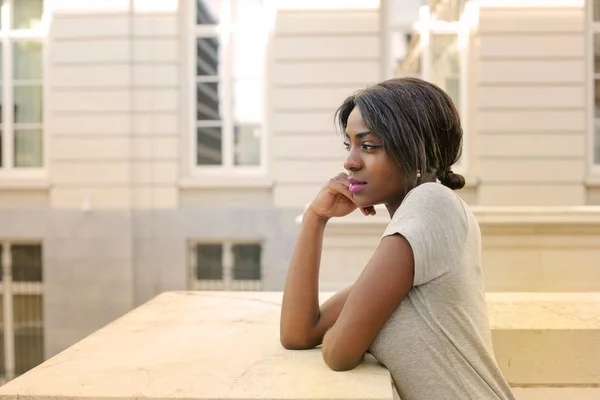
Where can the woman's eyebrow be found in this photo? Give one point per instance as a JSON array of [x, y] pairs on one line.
[[359, 135]]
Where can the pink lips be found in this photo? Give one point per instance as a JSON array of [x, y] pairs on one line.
[[355, 185]]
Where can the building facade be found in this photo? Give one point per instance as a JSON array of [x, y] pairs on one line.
[[151, 146]]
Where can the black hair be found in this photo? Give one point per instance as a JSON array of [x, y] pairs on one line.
[[417, 122]]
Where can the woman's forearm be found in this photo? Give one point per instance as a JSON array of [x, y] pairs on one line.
[[300, 308]]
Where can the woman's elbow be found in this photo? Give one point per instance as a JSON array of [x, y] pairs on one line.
[[291, 341], [339, 360]]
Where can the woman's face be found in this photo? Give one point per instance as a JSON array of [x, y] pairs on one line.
[[375, 177]]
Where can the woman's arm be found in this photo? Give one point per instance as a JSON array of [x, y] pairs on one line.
[[303, 324]]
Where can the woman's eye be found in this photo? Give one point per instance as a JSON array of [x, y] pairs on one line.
[[367, 146], [347, 145]]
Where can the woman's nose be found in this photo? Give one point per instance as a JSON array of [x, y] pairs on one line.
[[352, 162]]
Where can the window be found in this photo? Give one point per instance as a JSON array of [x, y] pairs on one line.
[[22, 82], [228, 97], [225, 266], [596, 78], [21, 307], [438, 53]]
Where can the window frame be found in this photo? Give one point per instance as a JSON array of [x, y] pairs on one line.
[[8, 289], [593, 29], [228, 283], [223, 32], [8, 36]]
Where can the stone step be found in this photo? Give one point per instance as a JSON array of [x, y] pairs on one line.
[[547, 339]]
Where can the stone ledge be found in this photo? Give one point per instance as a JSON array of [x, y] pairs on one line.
[[196, 345], [224, 345]]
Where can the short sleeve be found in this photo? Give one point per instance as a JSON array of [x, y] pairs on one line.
[[433, 220]]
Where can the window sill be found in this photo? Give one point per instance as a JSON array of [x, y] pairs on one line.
[[225, 182]]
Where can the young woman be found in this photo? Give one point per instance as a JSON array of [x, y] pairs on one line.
[[419, 304]]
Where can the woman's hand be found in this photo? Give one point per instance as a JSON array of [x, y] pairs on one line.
[[335, 200]]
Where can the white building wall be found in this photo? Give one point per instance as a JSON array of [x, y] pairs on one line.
[[530, 115], [113, 100], [320, 58]]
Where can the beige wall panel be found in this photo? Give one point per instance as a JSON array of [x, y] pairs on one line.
[[89, 76], [24, 199], [156, 25], [532, 96], [157, 124], [532, 145], [530, 72], [316, 146], [157, 75], [548, 194], [103, 51], [156, 50], [156, 100], [358, 73], [531, 46], [114, 76], [307, 171], [96, 197], [298, 22], [593, 195], [531, 120], [89, 101], [89, 6], [296, 195], [535, 270], [154, 172], [322, 121], [532, 170], [531, 20], [225, 197], [155, 148], [327, 47], [90, 174], [90, 148], [154, 197], [341, 267], [303, 98], [90, 27], [77, 124]]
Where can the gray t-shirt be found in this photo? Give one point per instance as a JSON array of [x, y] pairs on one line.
[[437, 344]]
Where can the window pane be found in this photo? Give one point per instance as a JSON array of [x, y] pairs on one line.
[[246, 261], [27, 60], [208, 101], [210, 262], [247, 145], [27, 13], [29, 332], [26, 263], [2, 365], [208, 12], [596, 10], [597, 53], [207, 56], [209, 143], [248, 54], [248, 101], [597, 121], [28, 148], [28, 104]]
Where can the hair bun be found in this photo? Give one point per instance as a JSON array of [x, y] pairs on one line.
[[452, 180]]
